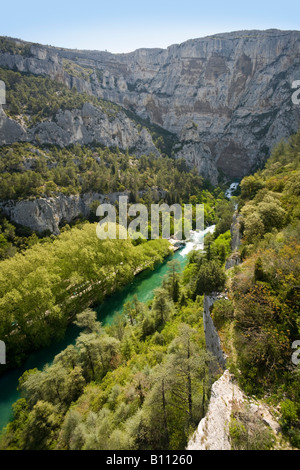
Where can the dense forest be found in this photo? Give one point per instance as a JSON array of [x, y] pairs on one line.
[[45, 286], [37, 98], [29, 171], [260, 322], [57, 266], [33, 99], [152, 354], [143, 382]]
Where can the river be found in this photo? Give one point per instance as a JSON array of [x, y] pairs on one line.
[[143, 287]]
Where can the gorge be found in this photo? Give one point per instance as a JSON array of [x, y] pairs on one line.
[[102, 353], [224, 100], [143, 287]]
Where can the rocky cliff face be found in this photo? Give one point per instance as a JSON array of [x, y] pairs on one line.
[[235, 88], [227, 399], [84, 126], [49, 213], [227, 97]]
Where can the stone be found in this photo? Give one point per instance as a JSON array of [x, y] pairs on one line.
[[213, 430], [227, 97]]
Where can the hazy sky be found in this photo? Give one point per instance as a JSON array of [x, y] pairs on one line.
[[126, 25]]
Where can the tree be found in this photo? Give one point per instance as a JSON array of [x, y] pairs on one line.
[[254, 227], [172, 281], [250, 185], [148, 325], [41, 427], [189, 366], [68, 357], [117, 328], [224, 212], [54, 384], [161, 306], [211, 278], [88, 321], [132, 309]]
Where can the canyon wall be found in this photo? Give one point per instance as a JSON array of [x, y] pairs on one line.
[[227, 97]]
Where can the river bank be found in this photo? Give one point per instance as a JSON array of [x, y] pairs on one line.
[[142, 286], [227, 399], [144, 283]]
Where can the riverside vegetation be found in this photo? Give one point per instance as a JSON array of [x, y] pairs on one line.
[[119, 372], [29, 171], [143, 382], [260, 321]]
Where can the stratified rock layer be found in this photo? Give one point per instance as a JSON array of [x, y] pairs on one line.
[[227, 97]]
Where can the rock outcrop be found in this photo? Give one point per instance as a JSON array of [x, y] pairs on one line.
[[213, 429], [10, 131], [226, 399], [235, 89], [49, 213], [212, 339], [83, 126]]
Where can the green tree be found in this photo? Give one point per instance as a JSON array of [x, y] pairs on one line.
[[88, 321], [41, 427], [189, 365], [211, 278], [161, 306], [250, 185]]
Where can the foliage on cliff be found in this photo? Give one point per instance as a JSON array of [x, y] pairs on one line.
[[32, 99], [205, 272], [29, 171], [37, 98], [265, 287], [140, 383], [14, 47]]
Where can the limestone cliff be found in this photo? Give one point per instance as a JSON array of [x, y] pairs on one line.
[[227, 399], [84, 126], [232, 90], [49, 213]]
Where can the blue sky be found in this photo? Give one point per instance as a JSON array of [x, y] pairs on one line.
[[126, 25]]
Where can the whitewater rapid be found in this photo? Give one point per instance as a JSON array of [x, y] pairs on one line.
[[196, 241]]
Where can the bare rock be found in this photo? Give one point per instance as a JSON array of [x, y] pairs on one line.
[[213, 429], [235, 87]]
